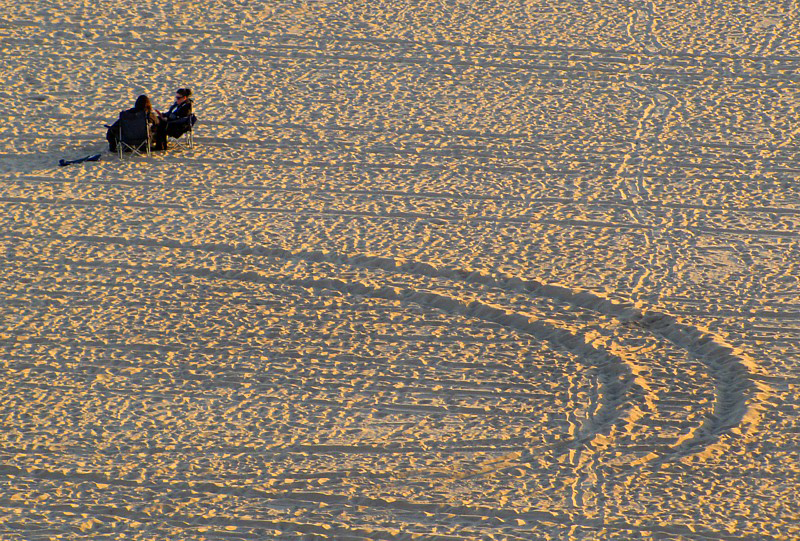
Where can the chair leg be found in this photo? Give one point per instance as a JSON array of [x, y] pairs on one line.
[[185, 141]]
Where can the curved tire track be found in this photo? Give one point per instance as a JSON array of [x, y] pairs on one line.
[[737, 394]]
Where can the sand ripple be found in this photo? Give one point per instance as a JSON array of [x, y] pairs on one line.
[[434, 271]]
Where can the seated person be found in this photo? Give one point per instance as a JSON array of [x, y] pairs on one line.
[[142, 104], [178, 118]]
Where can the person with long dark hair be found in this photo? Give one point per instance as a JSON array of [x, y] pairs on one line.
[[142, 104]]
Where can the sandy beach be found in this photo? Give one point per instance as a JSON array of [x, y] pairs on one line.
[[433, 270]]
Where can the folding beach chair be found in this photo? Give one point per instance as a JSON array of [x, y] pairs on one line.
[[181, 127], [134, 133]]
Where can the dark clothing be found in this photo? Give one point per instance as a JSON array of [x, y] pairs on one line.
[[176, 121], [112, 135], [177, 111]]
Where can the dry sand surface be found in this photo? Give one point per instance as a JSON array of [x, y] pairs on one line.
[[444, 270]]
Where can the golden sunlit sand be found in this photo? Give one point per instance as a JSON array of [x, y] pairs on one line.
[[433, 270]]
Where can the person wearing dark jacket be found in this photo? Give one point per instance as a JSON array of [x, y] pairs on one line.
[[142, 104], [177, 119]]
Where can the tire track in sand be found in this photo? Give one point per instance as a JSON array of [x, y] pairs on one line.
[[737, 393]]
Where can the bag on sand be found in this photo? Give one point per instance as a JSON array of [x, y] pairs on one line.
[[92, 158]]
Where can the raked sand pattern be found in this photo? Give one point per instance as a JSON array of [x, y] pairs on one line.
[[434, 270]]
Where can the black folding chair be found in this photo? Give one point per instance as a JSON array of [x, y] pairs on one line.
[[135, 133], [179, 127]]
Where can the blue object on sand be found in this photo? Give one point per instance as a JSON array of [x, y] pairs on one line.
[[92, 158]]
